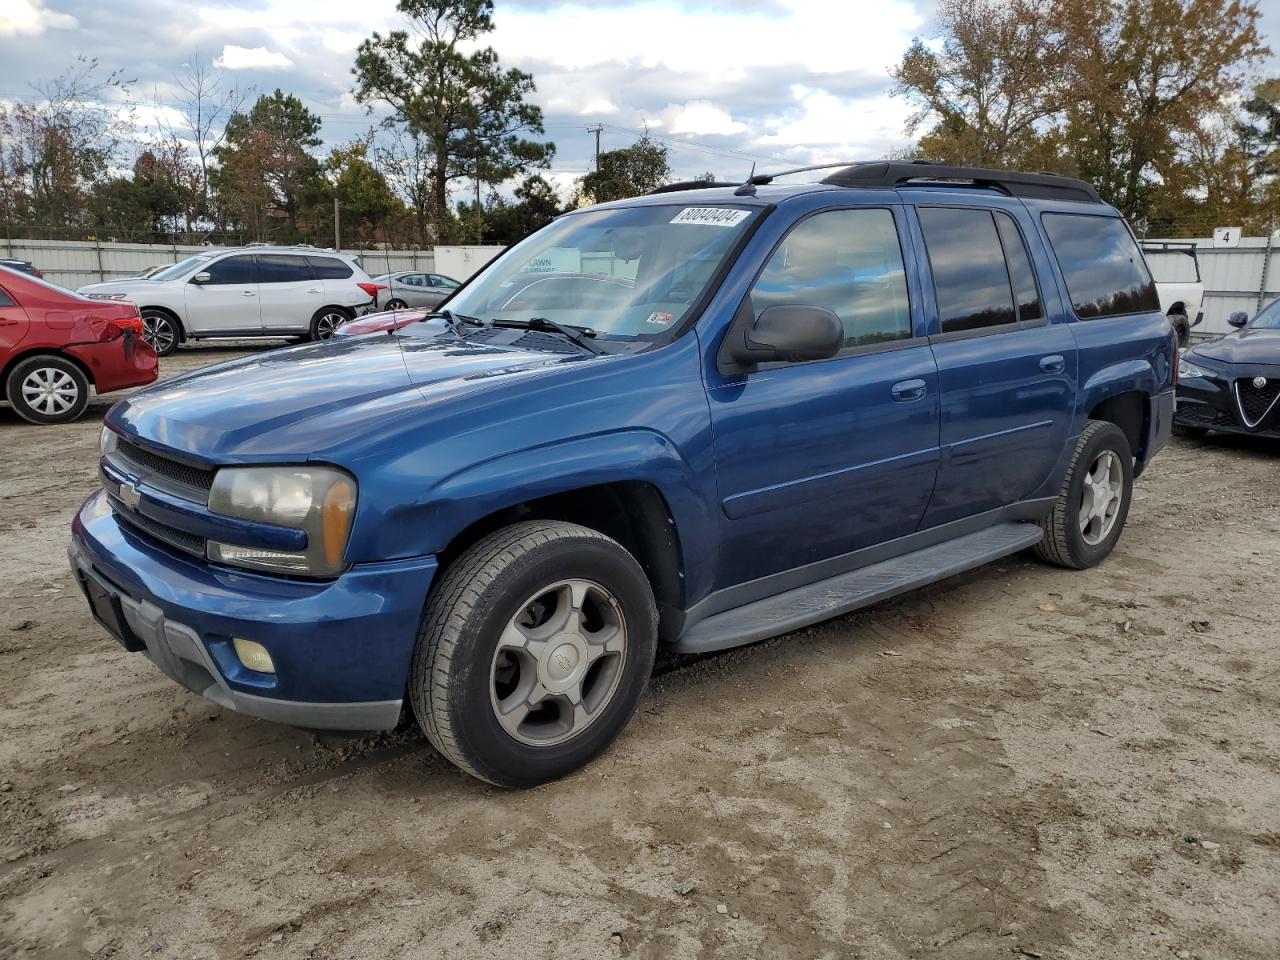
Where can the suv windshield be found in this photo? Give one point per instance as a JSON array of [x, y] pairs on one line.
[[1268, 317], [181, 268], [625, 272]]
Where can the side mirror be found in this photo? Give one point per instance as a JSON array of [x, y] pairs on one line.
[[1238, 319], [201, 277], [789, 333]]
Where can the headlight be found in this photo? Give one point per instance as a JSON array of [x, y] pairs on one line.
[[108, 296], [319, 500], [107, 441], [1188, 370]]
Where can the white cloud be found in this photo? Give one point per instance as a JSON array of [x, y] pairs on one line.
[[833, 128], [251, 58], [598, 107], [30, 17], [700, 118]]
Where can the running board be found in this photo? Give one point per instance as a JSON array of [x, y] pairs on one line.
[[859, 588]]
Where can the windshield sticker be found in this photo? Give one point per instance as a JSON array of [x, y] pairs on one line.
[[711, 216], [660, 318]]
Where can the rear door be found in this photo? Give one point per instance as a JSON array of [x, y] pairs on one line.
[[815, 460], [227, 302], [338, 280], [1007, 373], [290, 292]]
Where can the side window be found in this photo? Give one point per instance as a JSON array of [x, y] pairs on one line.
[[969, 273], [413, 280], [6, 300], [240, 269], [329, 268], [848, 261], [1020, 270], [280, 268], [443, 281], [1104, 270]]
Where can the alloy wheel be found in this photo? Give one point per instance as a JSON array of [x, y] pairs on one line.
[[328, 323], [1101, 497], [558, 662], [158, 331]]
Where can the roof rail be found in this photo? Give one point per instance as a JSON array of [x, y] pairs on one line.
[[688, 185], [898, 173]]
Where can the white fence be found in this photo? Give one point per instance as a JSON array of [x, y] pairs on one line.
[[1235, 278], [73, 263]]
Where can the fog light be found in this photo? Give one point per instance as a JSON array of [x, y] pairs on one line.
[[253, 655]]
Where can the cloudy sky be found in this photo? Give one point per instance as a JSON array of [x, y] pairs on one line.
[[724, 84]]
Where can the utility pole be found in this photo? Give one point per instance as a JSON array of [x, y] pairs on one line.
[[337, 226], [597, 130]]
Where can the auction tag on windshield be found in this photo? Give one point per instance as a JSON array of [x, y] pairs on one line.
[[711, 216]]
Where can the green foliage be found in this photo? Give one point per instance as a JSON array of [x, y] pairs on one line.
[[505, 222], [468, 115], [628, 172]]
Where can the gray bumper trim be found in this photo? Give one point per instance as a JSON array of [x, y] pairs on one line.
[[177, 650]]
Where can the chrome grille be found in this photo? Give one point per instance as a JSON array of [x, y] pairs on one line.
[[1256, 402]]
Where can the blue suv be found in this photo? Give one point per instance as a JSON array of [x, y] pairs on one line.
[[694, 419]]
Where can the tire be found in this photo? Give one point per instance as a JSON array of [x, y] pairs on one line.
[[1182, 327], [327, 320], [1065, 543], [1189, 433], [466, 675], [162, 331], [396, 304], [47, 389]]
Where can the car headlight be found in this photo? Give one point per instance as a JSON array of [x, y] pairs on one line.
[[108, 296], [1188, 370], [318, 500], [107, 442]]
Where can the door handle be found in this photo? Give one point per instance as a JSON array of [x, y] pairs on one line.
[[313, 290], [248, 293], [908, 390], [1053, 364]]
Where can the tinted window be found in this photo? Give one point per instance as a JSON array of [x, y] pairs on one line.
[[279, 268], [6, 300], [330, 268], [1020, 270], [233, 270], [440, 281], [414, 280], [848, 261], [1102, 266], [969, 274]]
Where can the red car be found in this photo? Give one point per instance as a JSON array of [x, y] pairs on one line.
[[55, 345]]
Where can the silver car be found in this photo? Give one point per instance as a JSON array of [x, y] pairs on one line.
[[410, 289]]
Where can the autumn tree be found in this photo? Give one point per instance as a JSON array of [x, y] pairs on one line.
[[205, 103], [468, 116], [365, 199], [628, 171]]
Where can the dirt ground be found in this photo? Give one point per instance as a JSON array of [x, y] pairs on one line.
[[1023, 762]]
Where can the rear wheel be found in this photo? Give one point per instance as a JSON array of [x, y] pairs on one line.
[[327, 320], [161, 331], [1182, 327], [47, 389], [1091, 510], [534, 650]]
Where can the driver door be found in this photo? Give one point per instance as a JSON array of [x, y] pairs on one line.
[[821, 458], [226, 302]]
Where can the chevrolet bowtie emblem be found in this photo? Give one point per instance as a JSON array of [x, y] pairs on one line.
[[130, 496]]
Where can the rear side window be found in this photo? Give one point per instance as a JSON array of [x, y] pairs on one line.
[[1021, 273], [233, 270], [848, 261], [6, 300], [969, 273], [1100, 261], [330, 268], [281, 268]]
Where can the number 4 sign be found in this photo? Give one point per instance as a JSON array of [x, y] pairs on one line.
[[1226, 236]]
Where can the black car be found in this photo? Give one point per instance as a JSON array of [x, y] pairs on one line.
[[25, 266], [1233, 384]]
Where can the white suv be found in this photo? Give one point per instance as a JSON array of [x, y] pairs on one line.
[[245, 292]]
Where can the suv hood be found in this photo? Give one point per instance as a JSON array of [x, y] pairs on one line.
[[1244, 346], [296, 402], [126, 285]]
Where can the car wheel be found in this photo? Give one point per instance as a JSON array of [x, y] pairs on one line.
[[161, 331], [327, 321], [534, 650], [1182, 327], [48, 389], [396, 305], [1090, 512]]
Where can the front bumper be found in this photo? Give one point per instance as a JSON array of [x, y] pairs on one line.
[[1211, 404], [341, 648]]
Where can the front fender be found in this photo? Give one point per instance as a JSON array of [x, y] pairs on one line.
[[459, 500]]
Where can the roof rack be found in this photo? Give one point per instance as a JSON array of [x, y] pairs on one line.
[[898, 173], [688, 185]]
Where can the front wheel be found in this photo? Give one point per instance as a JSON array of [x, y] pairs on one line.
[[534, 650], [47, 389], [1091, 510], [396, 305], [161, 331], [327, 321]]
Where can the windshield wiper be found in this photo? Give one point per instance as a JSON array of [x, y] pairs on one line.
[[582, 336]]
